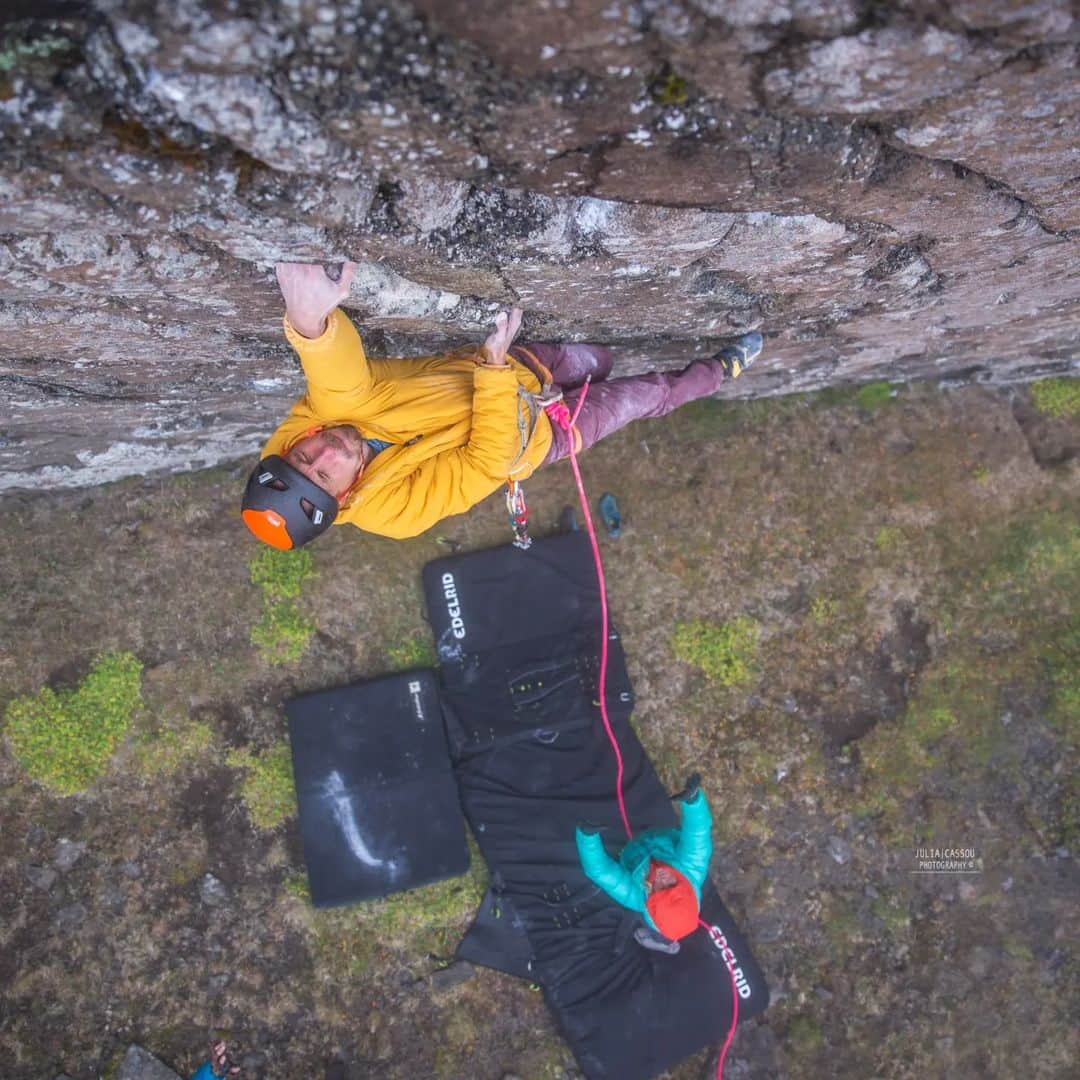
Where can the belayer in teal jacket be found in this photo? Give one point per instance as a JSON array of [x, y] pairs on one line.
[[659, 873]]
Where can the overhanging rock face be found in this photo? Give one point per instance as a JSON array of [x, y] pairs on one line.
[[887, 194]]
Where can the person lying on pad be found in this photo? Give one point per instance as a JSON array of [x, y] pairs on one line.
[[394, 446], [658, 873]]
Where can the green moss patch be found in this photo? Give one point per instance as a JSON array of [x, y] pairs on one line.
[[667, 89], [411, 651], [1036, 564], [869, 396], [823, 610], [281, 574], [954, 709], [726, 651], [872, 396], [1058, 398], [64, 739], [165, 751], [267, 789], [283, 631]]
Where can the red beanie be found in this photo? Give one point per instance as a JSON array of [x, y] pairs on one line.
[[674, 910]]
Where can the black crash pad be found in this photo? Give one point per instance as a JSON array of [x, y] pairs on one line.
[[518, 637], [378, 803]]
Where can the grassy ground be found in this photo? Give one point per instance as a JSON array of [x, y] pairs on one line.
[[856, 615]]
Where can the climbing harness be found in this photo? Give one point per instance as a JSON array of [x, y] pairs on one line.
[[559, 414], [517, 509]]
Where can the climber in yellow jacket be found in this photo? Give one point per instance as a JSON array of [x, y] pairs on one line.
[[393, 446]]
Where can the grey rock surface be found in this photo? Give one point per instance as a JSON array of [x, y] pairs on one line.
[[839, 849], [212, 891], [68, 853], [67, 918], [452, 975], [140, 1064], [886, 191], [41, 877]]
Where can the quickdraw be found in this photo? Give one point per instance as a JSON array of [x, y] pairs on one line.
[[516, 507], [518, 510]]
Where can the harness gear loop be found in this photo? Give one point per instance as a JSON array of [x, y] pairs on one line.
[[551, 401]]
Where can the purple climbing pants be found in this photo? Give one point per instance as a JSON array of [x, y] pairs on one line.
[[612, 405]]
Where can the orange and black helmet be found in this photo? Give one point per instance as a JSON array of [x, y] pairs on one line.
[[283, 508]]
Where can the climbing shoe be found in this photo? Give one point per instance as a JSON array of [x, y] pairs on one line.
[[735, 359], [609, 515]]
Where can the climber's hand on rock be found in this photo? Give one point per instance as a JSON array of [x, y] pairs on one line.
[[499, 340], [311, 294]]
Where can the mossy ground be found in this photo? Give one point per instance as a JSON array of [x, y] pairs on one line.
[[65, 739], [283, 631], [1057, 397], [911, 574]]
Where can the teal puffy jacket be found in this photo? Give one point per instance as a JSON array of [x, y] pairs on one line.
[[687, 849]]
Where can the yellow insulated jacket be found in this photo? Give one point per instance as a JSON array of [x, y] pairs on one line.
[[459, 429]]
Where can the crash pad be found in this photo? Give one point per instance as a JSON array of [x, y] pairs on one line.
[[378, 801], [518, 638]]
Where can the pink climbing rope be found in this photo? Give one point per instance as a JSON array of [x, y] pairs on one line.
[[560, 415], [729, 961]]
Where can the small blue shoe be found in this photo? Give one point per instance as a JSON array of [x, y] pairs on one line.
[[609, 515], [735, 359]]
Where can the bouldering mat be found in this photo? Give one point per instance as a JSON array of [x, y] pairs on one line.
[[378, 802], [518, 638]]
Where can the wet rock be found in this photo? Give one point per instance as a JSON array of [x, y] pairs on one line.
[[41, 877], [140, 1064], [839, 849], [35, 835], [67, 854], [213, 892]]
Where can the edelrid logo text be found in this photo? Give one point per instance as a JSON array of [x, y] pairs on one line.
[[721, 942], [453, 608]]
